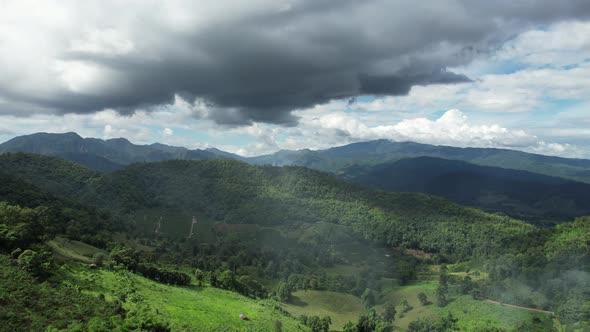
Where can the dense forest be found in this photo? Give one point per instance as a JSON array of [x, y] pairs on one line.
[[273, 235]]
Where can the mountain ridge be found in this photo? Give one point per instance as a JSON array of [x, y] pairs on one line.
[[102, 155], [521, 194]]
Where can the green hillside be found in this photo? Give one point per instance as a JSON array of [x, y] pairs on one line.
[[272, 243], [237, 193], [189, 308]]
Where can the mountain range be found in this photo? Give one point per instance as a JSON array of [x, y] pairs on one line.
[[103, 155], [537, 188]]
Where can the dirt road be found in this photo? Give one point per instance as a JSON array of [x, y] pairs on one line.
[[518, 307]]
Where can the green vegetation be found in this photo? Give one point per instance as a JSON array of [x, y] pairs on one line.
[[27, 304], [237, 193], [288, 249], [341, 308], [539, 199], [183, 308]]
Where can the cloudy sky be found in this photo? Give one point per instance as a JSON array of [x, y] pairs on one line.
[[256, 76]]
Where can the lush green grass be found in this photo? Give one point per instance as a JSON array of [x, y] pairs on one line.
[[69, 250], [410, 293], [186, 308], [340, 307], [473, 313]]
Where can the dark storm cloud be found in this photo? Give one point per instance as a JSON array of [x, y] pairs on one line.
[[262, 65]]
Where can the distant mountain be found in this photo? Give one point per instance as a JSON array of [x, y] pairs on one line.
[[102, 155], [112, 154], [525, 195], [338, 160], [225, 154], [284, 158]]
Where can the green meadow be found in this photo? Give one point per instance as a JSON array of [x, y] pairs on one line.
[[188, 308]]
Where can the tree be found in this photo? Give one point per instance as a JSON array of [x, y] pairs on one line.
[[315, 323], [368, 298], [405, 306], [443, 286], [226, 280], [22, 227], [466, 285], [98, 259], [278, 326], [476, 294], [125, 256], [326, 322], [349, 327], [441, 296], [283, 292], [443, 277], [384, 327], [366, 323], [38, 265], [446, 323], [389, 312], [423, 298]]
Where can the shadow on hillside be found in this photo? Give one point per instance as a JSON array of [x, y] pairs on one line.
[[297, 302]]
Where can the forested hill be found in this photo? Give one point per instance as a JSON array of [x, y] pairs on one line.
[[533, 197], [236, 192], [60, 177]]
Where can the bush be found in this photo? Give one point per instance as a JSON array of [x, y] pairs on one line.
[[38, 265], [98, 259], [423, 298]]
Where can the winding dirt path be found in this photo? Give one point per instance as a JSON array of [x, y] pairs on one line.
[[518, 307]]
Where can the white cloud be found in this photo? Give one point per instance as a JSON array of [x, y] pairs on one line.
[[560, 44], [452, 128], [167, 132], [319, 129], [108, 131]]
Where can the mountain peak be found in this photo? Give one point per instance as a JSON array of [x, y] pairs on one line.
[[119, 140], [69, 135]]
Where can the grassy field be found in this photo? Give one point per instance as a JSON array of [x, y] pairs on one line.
[[344, 307], [410, 293], [69, 250], [186, 308], [340, 307], [471, 313]]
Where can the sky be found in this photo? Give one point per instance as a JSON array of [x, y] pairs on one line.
[[256, 76]]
